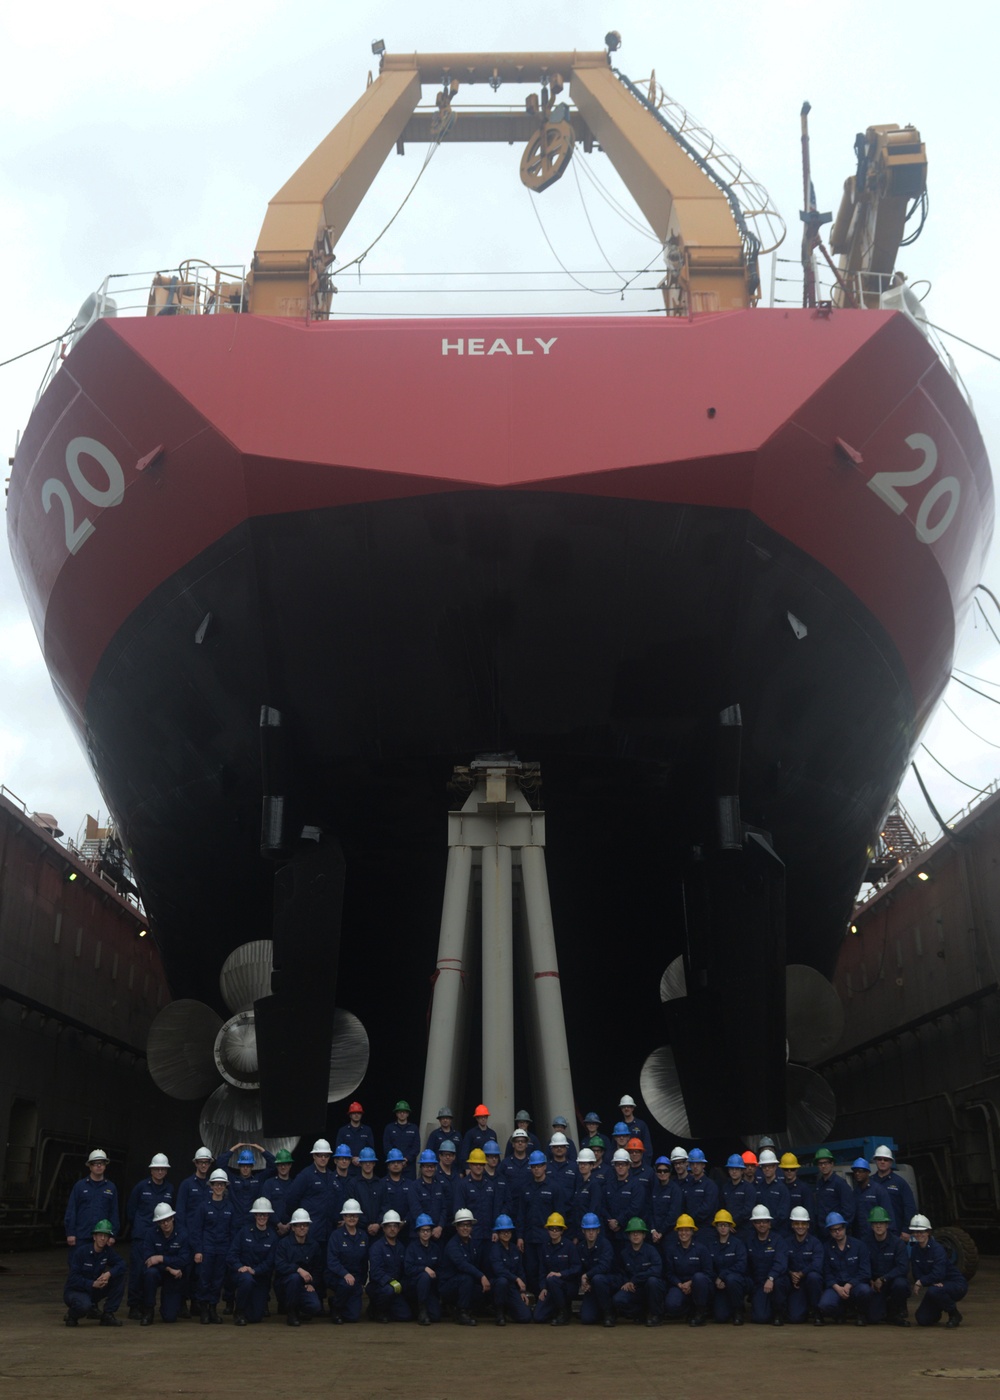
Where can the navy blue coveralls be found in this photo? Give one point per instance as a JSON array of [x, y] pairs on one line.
[[768, 1259], [420, 1289], [902, 1207], [244, 1190], [505, 1265], [347, 1254], [88, 1264], [176, 1251], [292, 1291], [562, 1259], [144, 1199], [701, 1201], [622, 1200], [386, 1264], [600, 1273], [211, 1236], [642, 1267], [775, 1196], [890, 1261], [90, 1201], [807, 1259], [405, 1137], [355, 1138], [691, 1265], [740, 1200], [460, 1277], [729, 1264], [830, 1196], [314, 1191], [865, 1202], [848, 1265], [257, 1250], [942, 1285], [539, 1200]]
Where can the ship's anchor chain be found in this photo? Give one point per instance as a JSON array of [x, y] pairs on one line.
[[549, 151]]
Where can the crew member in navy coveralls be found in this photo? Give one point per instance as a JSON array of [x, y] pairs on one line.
[[666, 1202], [386, 1271], [355, 1134], [430, 1195], [636, 1126], [421, 1265], [561, 1126], [938, 1285], [483, 1196], [731, 1281], [514, 1168], [367, 1188], [890, 1261], [146, 1195], [394, 1192], [767, 1263], [868, 1195], [560, 1275], [347, 1265], [902, 1206], [211, 1237], [541, 1197], [246, 1180], [462, 1280], [344, 1182], [806, 1265], [505, 1268], [599, 1279], [847, 1273], [639, 1168], [832, 1195], [739, 1196], [313, 1191], [96, 1276], [92, 1199], [624, 1197], [192, 1194], [522, 1121], [799, 1192], [444, 1132], [774, 1194], [560, 1166], [403, 1135], [688, 1268], [298, 1272], [478, 1135], [251, 1260], [588, 1193], [277, 1189], [701, 1195], [642, 1293], [166, 1258], [446, 1162]]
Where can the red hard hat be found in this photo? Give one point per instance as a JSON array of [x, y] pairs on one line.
[[635, 1145], [355, 1107], [749, 1159], [480, 1111]]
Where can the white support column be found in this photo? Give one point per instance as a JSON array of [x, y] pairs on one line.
[[444, 1038], [498, 986], [555, 1078]]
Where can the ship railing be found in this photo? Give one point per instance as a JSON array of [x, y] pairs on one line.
[[195, 288]]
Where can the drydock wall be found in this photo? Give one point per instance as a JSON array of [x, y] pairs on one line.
[[920, 1055]]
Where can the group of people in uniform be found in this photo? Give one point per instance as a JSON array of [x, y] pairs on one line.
[[463, 1227]]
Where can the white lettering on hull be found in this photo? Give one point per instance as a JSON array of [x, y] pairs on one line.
[[476, 345]]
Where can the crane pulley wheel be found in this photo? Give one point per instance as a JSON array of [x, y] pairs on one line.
[[547, 155]]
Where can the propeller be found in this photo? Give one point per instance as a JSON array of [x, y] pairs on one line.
[[190, 1046]]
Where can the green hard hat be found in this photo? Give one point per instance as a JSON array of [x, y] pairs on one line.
[[282, 1155], [824, 1154], [597, 1141], [878, 1215], [103, 1227], [636, 1224], [402, 1107]]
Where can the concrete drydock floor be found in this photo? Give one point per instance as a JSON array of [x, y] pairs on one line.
[[40, 1359]]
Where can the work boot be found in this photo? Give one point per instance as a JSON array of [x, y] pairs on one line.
[[562, 1318], [778, 1321], [292, 1318], [860, 1321], [239, 1320], [901, 1320], [134, 1314], [818, 1319], [214, 1314], [500, 1318], [465, 1319], [227, 1311], [654, 1320], [71, 1321], [737, 1319], [610, 1320], [147, 1319], [954, 1318], [336, 1318], [185, 1310], [110, 1319], [206, 1317], [93, 1313], [697, 1318]]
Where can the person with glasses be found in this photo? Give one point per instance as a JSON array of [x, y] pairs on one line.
[[847, 1274]]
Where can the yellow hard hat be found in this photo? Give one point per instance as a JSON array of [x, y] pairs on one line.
[[684, 1222], [477, 1155], [722, 1217], [555, 1222], [789, 1162]]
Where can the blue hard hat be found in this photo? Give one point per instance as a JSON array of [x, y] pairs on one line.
[[447, 1146], [591, 1118], [835, 1218], [367, 1154], [394, 1155], [662, 1162], [735, 1161], [621, 1130], [423, 1220], [503, 1222], [342, 1150], [590, 1221], [861, 1164], [427, 1157], [537, 1159], [492, 1149], [559, 1122], [245, 1159], [696, 1155]]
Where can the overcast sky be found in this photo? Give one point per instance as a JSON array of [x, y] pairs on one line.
[[136, 136]]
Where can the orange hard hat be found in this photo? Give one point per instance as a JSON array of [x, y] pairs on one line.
[[480, 1111], [635, 1145], [749, 1159]]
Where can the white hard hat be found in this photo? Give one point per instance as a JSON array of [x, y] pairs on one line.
[[162, 1212], [392, 1217], [519, 1133], [767, 1158], [301, 1217], [558, 1140], [626, 1101], [678, 1155], [585, 1155], [464, 1217], [799, 1213], [321, 1145], [920, 1222], [262, 1206], [761, 1213], [98, 1155], [159, 1159], [621, 1156], [350, 1207], [219, 1175], [203, 1155], [884, 1151]]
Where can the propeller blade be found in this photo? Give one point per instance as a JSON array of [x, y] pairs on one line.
[[180, 1049], [246, 974], [233, 1115], [660, 1087], [348, 1055], [673, 983], [814, 1017], [236, 1051], [811, 1108]]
